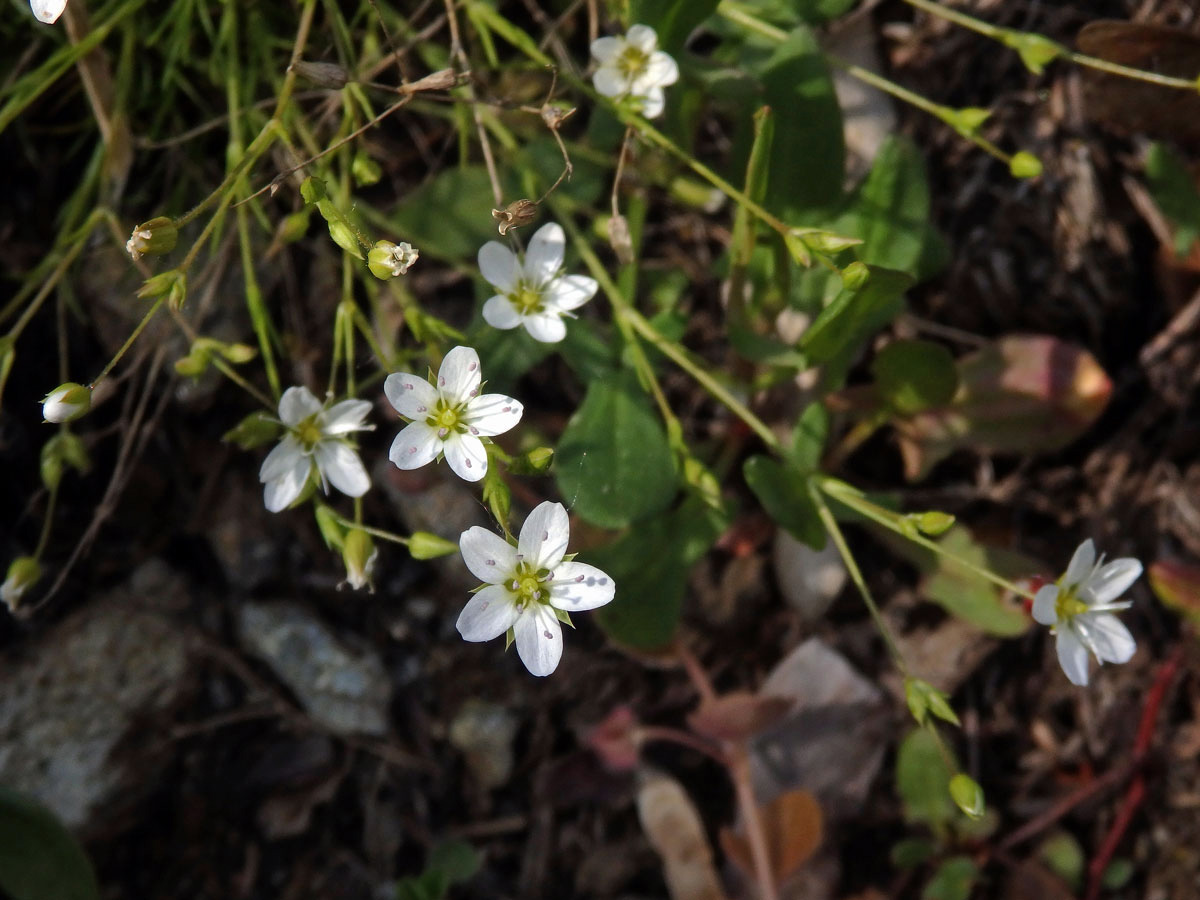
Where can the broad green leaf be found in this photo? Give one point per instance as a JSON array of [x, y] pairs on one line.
[[1174, 190], [39, 859], [953, 880], [911, 852], [672, 20], [911, 376], [808, 155], [450, 215], [1062, 853], [809, 436], [817, 12], [890, 210], [614, 465], [456, 859], [922, 780], [783, 492], [650, 567]]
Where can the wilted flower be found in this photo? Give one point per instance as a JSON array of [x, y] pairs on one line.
[[387, 260], [449, 417], [527, 587], [317, 438], [66, 402], [631, 67], [153, 238], [531, 291], [1079, 609], [360, 554], [48, 11]]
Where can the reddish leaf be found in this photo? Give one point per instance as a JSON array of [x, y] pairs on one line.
[[793, 825], [1022, 394], [615, 739], [737, 716], [1177, 584]]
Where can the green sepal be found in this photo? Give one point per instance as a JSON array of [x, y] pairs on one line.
[[563, 616]]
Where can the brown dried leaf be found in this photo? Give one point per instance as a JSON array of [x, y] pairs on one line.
[[793, 824], [674, 829], [737, 716]]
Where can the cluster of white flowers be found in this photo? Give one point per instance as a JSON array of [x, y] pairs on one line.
[[631, 67]]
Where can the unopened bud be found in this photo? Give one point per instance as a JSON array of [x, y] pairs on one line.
[[172, 284], [423, 545], [365, 170], [933, 522], [322, 74], [442, 80], [554, 115], [619, 239], [66, 402], [153, 238], [387, 260], [23, 573], [536, 462], [516, 214], [967, 795], [64, 449], [359, 554]]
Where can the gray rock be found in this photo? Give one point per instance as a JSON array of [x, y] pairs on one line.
[[78, 692], [809, 579], [345, 691]]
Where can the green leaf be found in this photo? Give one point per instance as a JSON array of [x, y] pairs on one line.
[[817, 12], [809, 436], [39, 858], [673, 20], [967, 795], [614, 464], [1062, 853], [922, 777], [953, 880], [1174, 190], [911, 376], [650, 567], [783, 492], [456, 859], [808, 154], [890, 209], [911, 852]]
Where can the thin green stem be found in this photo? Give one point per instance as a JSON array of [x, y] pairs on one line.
[[47, 523], [129, 341], [371, 530]]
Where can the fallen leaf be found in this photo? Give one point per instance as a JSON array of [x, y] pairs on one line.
[[793, 827], [674, 829], [737, 716]]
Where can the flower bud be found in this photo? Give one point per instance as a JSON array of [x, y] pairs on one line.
[[66, 403], [387, 260], [1025, 165], [64, 449], [365, 170], [516, 214], [172, 284], [423, 545], [536, 462], [441, 80], [359, 555], [23, 574], [619, 239], [153, 238], [967, 795]]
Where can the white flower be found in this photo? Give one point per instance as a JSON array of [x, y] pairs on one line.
[[1079, 606], [449, 418], [317, 437], [48, 11], [631, 67], [526, 585], [531, 291], [66, 402]]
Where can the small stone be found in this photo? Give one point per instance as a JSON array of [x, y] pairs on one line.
[[809, 579]]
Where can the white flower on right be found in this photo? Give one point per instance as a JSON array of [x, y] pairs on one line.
[[48, 11], [526, 586], [631, 67], [1079, 608], [532, 291], [449, 418]]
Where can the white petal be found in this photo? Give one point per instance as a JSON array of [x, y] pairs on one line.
[[660, 71], [1112, 580], [539, 639], [459, 376], [1081, 563], [606, 48], [610, 81], [344, 417], [578, 586], [1106, 636], [570, 291], [296, 405], [410, 396], [642, 37], [282, 491], [500, 313], [1044, 602], [653, 103], [466, 456], [546, 327], [487, 615], [1072, 656], [416, 445], [340, 464], [490, 558], [48, 11], [544, 536], [499, 266], [282, 457], [492, 414], [545, 254]]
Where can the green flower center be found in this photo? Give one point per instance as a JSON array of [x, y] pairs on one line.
[[446, 418], [632, 61], [308, 432], [527, 300], [1068, 605], [528, 584]]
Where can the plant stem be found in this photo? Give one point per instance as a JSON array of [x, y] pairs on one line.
[[129, 341]]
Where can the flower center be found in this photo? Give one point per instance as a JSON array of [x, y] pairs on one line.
[[528, 585], [446, 419], [1068, 605], [527, 300], [308, 432], [631, 62]]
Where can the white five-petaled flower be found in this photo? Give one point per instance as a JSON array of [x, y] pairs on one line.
[[532, 292], [48, 11], [317, 437], [526, 586], [449, 417], [1079, 608], [631, 67]]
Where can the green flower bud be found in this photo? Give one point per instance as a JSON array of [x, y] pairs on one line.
[[359, 555], [423, 545], [153, 238], [967, 795], [66, 403], [387, 260], [23, 573], [365, 170], [1025, 165], [535, 462], [64, 449], [172, 284], [933, 522]]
